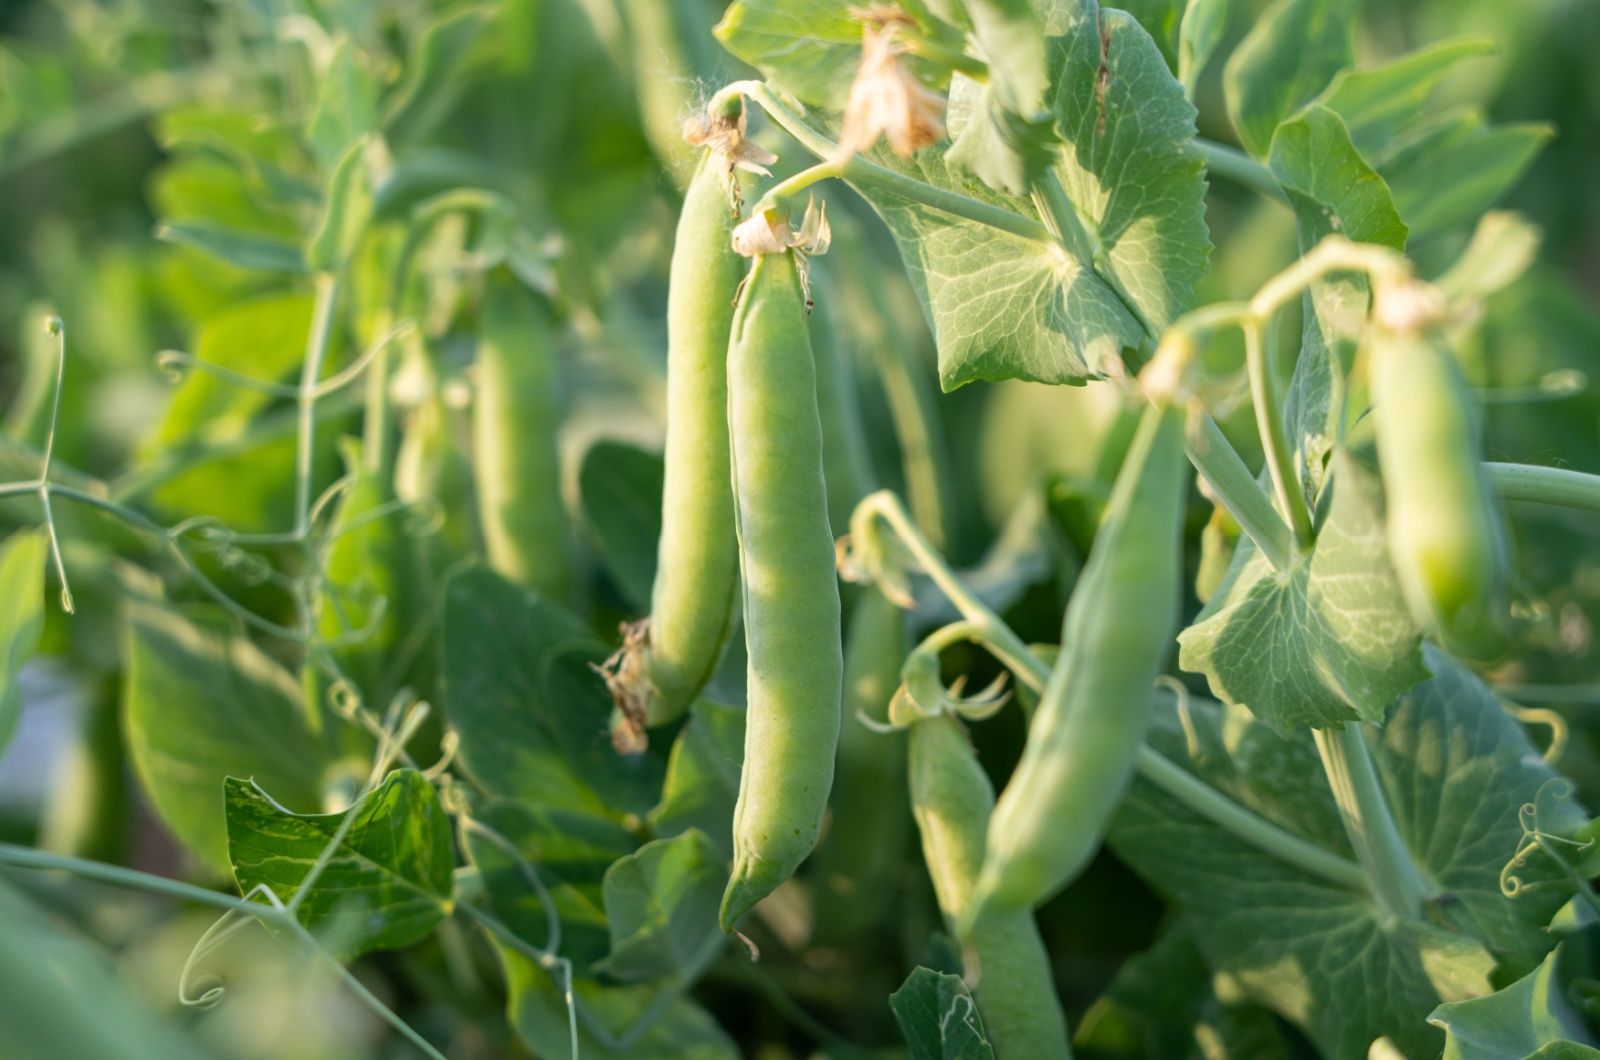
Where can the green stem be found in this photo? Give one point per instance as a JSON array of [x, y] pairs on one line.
[[1233, 164], [858, 170], [1546, 485], [1241, 494], [317, 343], [1274, 439], [1390, 869], [983, 625], [945, 56], [27, 858], [780, 193]]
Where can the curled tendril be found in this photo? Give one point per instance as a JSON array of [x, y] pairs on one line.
[[923, 694], [424, 517], [869, 555], [206, 992], [1559, 730], [1185, 708], [248, 567], [177, 366], [449, 744], [173, 365], [344, 699], [1537, 821]]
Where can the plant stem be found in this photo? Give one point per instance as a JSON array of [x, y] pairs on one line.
[[1233, 164], [327, 298], [1001, 640], [1546, 485], [1390, 869], [28, 858], [1219, 464], [1274, 439], [781, 192]]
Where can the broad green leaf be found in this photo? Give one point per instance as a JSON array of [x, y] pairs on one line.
[[1503, 247], [702, 781], [200, 706], [346, 109], [1163, 1004], [1006, 306], [1294, 50], [390, 880], [247, 250], [661, 906], [809, 48], [22, 561], [939, 1018], [644, 1022], [1328, 181], [1456, 769], [569, 853], [347, 208], [1204, 23], [531, 715], [620, 487], [1529, 1018], [1005, 138], [1483, 161], [1326, 642], [433, 70], [1379, 103], [1161, 19]]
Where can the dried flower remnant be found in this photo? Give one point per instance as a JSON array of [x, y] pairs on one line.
[[767, 231], [725, 134], [886, 98]]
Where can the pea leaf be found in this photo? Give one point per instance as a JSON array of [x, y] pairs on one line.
[[620, 486], [1379, 103], [1526, 1019], [809, 48], [1004, 305], [1329, 182], [1326, 642], [702, 781], [347, 208], [1294, 50], [1004, 137], [661, 906], [347, 104], [200, 706], [569, 852], [391, 878], [1484, 162], [531, 715], [939, 1018], [1456, 769], [22, 561], [1204, 23], [247, 250], [432, 77], [643, 1022]]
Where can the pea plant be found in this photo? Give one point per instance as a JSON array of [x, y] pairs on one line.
[[798, 527]]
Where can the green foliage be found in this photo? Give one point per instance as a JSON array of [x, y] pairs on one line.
[[939, 1018], [22, 560]]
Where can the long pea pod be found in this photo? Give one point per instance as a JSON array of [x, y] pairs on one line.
[[516, 456], [1446, 534], [791, 592], [952, 800], [1086, 732], [697, 572]]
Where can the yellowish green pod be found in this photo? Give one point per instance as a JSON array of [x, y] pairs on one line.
[[1446, 532], [952, 800], [790, 590], [1085, 734]]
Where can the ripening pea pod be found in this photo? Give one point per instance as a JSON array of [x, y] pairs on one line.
[[1086, 731], [790, 590], [952, 801], [1447, 537], [515, 452], [697, 571]]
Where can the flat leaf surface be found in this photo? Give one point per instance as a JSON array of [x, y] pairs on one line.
[[661, 906], [390, 880], [1484, 162], [702, 781], [1295, 48], [1456, 769], [620, 486], [1526, 1019], [1325, 642], [247, 250], [939, 1018], [200, 706], [22, 563], [809, 48], [531, 714], [1326, 178]]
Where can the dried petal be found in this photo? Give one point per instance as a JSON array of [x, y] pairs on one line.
[[887, 99], [763, 232]]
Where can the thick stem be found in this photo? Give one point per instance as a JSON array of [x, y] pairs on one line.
[[1233, 164], [1219, 464], [780, 193], [1274, 439], [1546, 485], [1390, 869], [1001, 640]]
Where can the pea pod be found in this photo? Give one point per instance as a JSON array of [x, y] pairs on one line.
[[697, 570], [1090, 721], [952, 800], [517, 463], [1446, 535], [791, 593]]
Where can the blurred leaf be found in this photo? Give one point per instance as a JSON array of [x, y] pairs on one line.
[[702, 779], [569, 852], [621, 486], [1204, 23], [1295, 48], [1378, 104], [247, 250], [1529, 1018], [347, 105], [200, 706], [22, 561], [1456, 769], [1008, 139], [1483, 161], [808, 48], [661, 907], [433, 69], [347, 210], [531, 715], [1504, 246], [939, 1019], [391, 878]]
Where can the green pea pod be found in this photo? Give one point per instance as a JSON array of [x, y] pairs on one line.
[[1446, 534], [516, 457], [952, 800], [791, 593], [697, 569], [1086, 732]]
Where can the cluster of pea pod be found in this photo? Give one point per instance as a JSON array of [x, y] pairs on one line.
[[745, 526]]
